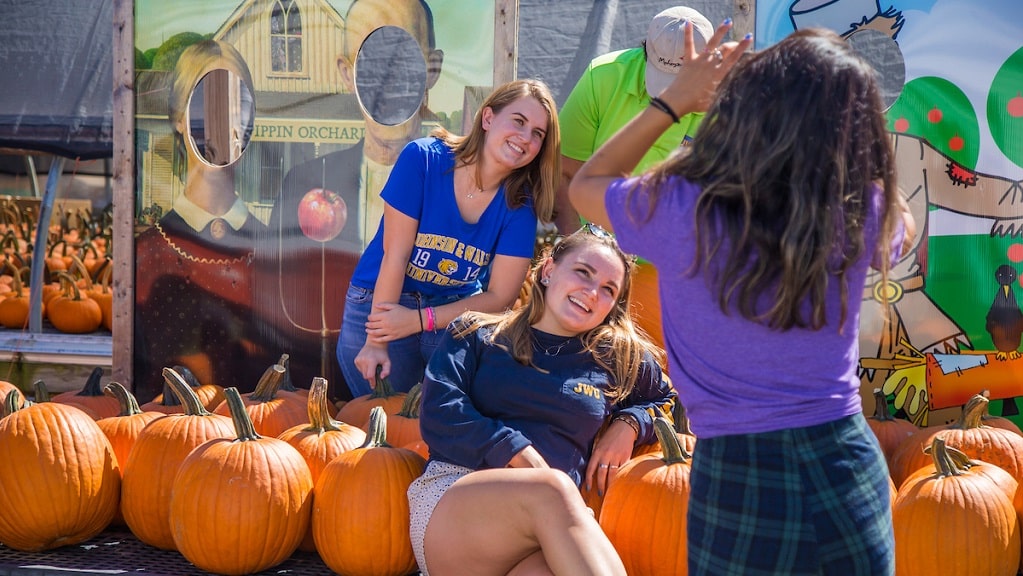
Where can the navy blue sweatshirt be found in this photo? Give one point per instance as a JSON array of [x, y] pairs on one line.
[[481, 407]]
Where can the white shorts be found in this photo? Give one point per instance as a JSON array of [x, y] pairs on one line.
[[423, 495]]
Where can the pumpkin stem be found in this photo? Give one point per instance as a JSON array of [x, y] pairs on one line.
[[670, 446], [319, 411], [881, 410], [377, 435], [383, 388], [242, 421], [12, 403], [678, 414], [973, 413], [40, 392], [79, 266], [184, 392], [413, 400], [947, 460], [269, 383], [92, 387], [187, 375], [286, 384], [129, 405]]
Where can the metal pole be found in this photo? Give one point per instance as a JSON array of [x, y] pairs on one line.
[[35, 310]]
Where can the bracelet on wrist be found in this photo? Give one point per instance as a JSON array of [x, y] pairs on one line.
[[419, 312], [630, 420], [431, 319], [663, 107]]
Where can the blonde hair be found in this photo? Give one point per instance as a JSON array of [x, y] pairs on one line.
[[617, 344], [540, 178]]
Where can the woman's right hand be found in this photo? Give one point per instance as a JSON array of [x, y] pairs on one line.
[[528, 457], [371, 356]]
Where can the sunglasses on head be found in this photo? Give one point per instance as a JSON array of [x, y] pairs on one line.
[[597, 231]]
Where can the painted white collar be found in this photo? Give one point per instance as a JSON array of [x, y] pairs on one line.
[[198, 218]]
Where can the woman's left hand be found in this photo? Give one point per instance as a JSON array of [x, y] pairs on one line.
[[389, 321], [611, 451]]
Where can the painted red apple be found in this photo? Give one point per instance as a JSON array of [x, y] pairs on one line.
[[322, 214]]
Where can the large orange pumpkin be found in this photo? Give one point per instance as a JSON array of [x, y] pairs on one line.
[[321, 440], [968, 434], [655, 482], [59, 484], [955, 522], [123, 429], [360, 506], [271, 410], [252, 491], [159, 451]]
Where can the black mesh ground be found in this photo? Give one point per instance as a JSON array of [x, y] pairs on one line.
[[121, 552]]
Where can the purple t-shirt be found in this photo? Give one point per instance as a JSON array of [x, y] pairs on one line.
[[735, 376]]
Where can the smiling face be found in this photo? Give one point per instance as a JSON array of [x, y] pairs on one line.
[[583, 286], [516, 133]]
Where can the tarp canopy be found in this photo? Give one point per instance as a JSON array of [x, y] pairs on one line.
[[56, 64]]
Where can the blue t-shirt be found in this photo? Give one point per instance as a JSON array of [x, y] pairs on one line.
[[450, 256]]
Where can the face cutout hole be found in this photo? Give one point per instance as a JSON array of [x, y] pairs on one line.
[[883, 53], [221, 117], [390, 76]]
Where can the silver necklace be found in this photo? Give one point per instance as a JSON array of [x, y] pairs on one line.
[[550, 350]]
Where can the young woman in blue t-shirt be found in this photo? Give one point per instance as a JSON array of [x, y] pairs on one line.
[[458, 234]]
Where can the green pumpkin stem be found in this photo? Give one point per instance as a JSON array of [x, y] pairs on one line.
[[410, 407], [92, 386], [319, 409], [383, 388], [240, 416], [973, 413], [948, 461], [377, 435], [129, 405], [12, 403], [286, 384], [40, 392], [668, 439], [184, 392]]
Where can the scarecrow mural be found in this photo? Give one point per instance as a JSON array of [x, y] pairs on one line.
[[953, 73]]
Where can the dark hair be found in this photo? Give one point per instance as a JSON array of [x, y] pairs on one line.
[[541, 177], [617, 344], [789, 158]]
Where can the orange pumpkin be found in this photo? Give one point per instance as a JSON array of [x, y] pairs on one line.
[[955, 521], [73, 312], [252, 491], [60, 484], [321, 440], [356, 411], [92, 396], [403, 424], [6, 388], [155, 458], [14, 309], [371, 536], [968, 434], [890, 431], [123, 429], [272, 412], [660, 481]]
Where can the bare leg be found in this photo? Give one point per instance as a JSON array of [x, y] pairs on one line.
[[491, 521], [533, 565]]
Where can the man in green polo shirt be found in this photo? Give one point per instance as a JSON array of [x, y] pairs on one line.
[[614, 88]]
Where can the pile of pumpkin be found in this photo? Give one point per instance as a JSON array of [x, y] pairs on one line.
[[237, 484], [76, 295]]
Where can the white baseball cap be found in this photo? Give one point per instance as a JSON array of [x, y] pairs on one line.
[[666, 42]]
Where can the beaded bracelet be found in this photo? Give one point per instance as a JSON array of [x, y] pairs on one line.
[[431, 319], [663, 107]]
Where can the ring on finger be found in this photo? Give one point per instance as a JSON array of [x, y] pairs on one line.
[[604, 466], [718, 55], [613, 466]]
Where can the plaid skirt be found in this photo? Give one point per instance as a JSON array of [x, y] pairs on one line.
[[811, 500]]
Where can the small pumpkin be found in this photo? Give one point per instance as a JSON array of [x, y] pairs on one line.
[[356, 411], [92, 396], [60, 484], [73, 312], [155, 458], [955, 521], [252, 491], [321, 440], [372, 535], [655, 481], [14, 309], [272, 412]]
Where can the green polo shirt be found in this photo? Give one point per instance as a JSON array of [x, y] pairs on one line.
[[611, 92]]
